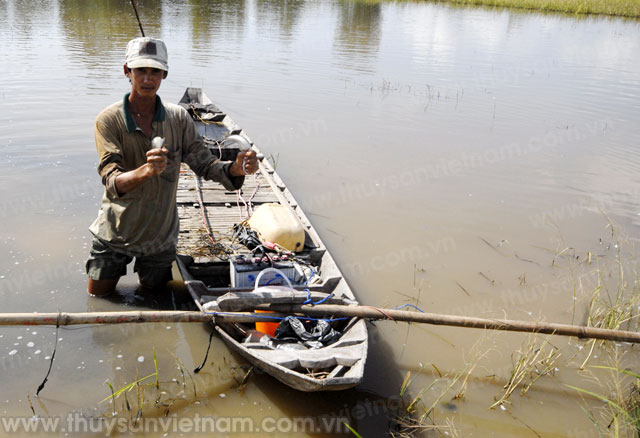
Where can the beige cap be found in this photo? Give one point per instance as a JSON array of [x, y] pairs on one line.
[[147, 52]]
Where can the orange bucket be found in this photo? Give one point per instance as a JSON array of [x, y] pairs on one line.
[[268, 328]]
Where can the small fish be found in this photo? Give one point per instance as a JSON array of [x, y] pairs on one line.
[[157, 142]]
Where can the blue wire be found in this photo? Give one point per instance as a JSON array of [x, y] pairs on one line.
[[308, 300], [322, 300], [313, 303], [311, 276], [273, 279], [409, 305]]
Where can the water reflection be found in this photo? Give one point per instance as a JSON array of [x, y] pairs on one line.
[[26, 18], [281, 14], [216, 20], [95, 33], [495, 125], [358, 33]]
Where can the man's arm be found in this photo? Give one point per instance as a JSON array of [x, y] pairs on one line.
[[229, 173], [131, 180], [116, 179]]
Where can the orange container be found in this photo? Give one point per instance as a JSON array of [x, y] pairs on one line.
[[268, 328]]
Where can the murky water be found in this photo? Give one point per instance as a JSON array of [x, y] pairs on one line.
[[445, 156]]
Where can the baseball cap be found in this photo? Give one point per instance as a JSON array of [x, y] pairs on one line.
[[147, 52]]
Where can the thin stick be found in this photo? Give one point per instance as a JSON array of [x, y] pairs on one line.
[[319, 310], [206, 355], [53, 355], [137, 16]]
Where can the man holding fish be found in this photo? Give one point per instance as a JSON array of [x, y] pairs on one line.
[[141, 142]]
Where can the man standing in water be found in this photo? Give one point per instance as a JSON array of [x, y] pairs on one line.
[[138, 216]]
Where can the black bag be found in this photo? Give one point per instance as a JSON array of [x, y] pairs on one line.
[[312, 333]]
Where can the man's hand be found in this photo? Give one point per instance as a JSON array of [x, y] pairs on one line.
[[156, 161], [246, 164], [155, 165]]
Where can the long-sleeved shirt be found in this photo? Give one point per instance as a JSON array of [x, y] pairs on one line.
[[145, 221]]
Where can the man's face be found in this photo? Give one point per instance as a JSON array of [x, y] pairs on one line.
[[145, 81]]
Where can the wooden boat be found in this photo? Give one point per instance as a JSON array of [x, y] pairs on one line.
[[208, 214]]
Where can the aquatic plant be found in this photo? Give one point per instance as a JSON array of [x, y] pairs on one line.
[[620, 414], [533, 361]]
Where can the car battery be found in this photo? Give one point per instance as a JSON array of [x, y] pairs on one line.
[[244, 272]]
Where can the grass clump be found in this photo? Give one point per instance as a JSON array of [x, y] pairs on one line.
[[533, 361], [614, 302], [610, 284], [445, 390], [620, 414]]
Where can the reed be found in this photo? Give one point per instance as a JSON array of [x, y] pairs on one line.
[[619, 415], [615, 291], [533, 361], [609, 282], [419, 415]]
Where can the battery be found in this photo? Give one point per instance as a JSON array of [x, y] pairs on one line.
[[244, 275]]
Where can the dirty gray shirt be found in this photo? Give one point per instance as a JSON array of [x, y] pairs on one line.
[[145, 221]]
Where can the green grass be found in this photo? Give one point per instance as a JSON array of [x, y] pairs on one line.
[[624, 8], [621, 8], [533, 361], [621, 415]]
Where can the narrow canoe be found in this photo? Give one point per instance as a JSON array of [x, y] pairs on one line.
[[208, 251]]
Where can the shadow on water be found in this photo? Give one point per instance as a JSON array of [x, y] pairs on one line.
[[368, 408]]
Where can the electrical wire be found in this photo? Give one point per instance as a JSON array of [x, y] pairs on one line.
[[410, 305]]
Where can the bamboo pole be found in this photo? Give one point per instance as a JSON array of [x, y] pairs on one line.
[[367, 312], [463, 321], [65, 318]]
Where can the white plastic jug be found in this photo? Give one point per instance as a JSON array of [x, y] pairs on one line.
[[275, 223]]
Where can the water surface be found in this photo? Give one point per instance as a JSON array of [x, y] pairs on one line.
[[444, 155]]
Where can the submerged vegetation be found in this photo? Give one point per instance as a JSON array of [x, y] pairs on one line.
[[532, 362], [601, 377], [620, 415]]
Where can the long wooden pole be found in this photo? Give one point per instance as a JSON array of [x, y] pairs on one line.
[[64, 318], [373, 313], [464, 321]]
